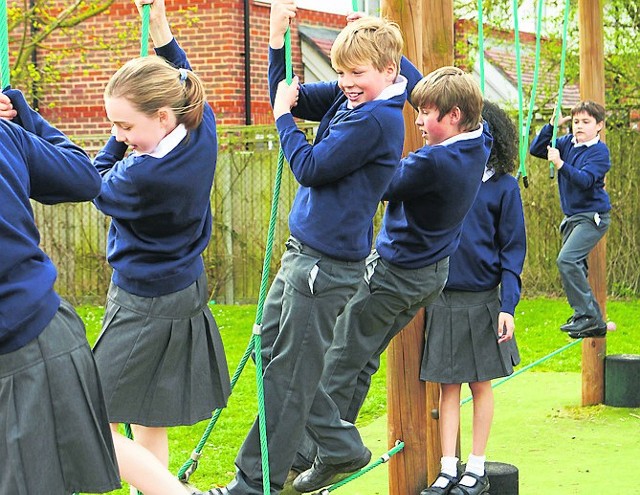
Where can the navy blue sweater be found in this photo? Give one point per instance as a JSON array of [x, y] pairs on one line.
[[581, 178], [159, 207], [343, 174], [493, 243], [429, 196], [36, 161]]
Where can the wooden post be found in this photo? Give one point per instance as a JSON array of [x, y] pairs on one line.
[[592, 88], [428, 33]]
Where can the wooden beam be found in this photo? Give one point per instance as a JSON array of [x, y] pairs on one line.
[[592, 86], [427, 26]]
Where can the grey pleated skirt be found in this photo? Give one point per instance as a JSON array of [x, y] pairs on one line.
[[161, 359], [461, 339], [54, 431]]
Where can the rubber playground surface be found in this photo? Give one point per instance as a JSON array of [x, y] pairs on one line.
[[558, 446]]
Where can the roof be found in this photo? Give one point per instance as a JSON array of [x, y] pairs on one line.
[[499, 52], [503, 58], [320, 38]]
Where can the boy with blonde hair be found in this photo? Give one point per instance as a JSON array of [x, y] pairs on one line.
[[430, 194], [341, 184]]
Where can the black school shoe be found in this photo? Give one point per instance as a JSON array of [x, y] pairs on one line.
[[434, 490], [482, 485], [320, 475], [598, 332], [585, 324], [565, 327]]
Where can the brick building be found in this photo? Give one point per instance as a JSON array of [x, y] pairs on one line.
[[212, 32], [213, 35]]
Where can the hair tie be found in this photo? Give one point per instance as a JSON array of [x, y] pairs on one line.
[[183, 74]]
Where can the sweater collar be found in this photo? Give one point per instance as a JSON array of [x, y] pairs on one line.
[[591, 142], [463, 136]]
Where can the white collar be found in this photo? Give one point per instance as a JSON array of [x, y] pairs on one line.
[[463, 136], [395, 89], [168, 143], [591, 142], [488, 173]]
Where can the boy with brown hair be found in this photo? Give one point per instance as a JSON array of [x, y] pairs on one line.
[[582, 161], [428, 198]]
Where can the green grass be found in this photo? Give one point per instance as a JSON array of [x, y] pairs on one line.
[[537, 322]]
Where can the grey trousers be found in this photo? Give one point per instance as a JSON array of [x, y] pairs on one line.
[[580, 234], [386, 301], [303, 303]]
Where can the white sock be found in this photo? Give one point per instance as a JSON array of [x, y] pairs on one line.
[[475, 465], [448, 465]]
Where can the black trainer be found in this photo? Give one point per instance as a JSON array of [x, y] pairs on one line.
[[585, 324], [321, 475], [598, 332], [565, 327]]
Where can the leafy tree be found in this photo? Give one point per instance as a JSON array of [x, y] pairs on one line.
[[35, 30], [621, 29]]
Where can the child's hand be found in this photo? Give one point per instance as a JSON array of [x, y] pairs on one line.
[[6, 108], [282, 11], [354, 16], [506, 326], [286, 97], [157, 12], [561, 120], [553, 155]]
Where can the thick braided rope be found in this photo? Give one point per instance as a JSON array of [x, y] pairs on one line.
[[5, 71], [526, 368], [524, 142], [563, 54], [255, 344]]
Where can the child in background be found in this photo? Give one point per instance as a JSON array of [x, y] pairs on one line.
[[470, 327], [582, 161], [342, 178], [160, 355], [428, 198]]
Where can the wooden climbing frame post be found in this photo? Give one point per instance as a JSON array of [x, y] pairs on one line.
[[592, 88], [427, 26]]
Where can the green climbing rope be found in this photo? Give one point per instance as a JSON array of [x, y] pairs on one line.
[[144, 32], [5, 70], [516, 36], [381, 460], [558, 110], [481, 45], [524, 142], [526, 368], [255, 344]]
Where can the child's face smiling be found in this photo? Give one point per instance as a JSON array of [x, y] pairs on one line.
[[138, 130], [585, 127], [364, 82]]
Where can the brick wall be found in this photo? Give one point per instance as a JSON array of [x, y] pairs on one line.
[[212, 34]]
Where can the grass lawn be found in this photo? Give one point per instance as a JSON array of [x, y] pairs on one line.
[[539, 425]]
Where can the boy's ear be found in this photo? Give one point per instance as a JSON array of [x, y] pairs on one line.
[[455, 115], [391, 71]]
